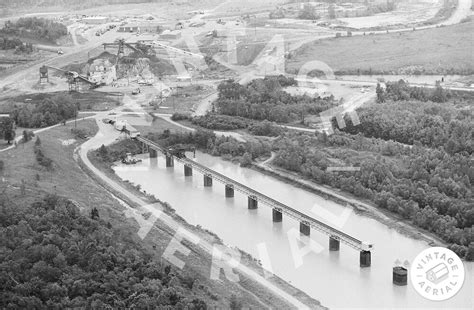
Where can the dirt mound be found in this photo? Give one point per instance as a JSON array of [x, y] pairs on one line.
[[104, 55]]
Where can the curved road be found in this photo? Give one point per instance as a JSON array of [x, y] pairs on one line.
[[107, 135]]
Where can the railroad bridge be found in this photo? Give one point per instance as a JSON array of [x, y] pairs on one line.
[[254, 198]]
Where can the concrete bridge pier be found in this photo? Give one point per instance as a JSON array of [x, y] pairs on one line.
[[207, 180], [277, 215], [153, 153], [305, 229], [144, 148], [400, 276], [365, 258], [229, 190], [334, 244], [169, 161], [253, 202], [188, 171]]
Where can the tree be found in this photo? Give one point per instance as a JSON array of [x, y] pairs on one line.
[[439, 94], [8, 129], [27, 135], [380, 93], [235, 303], [246, 160], [308, 12], [94, 213], [103, 152]]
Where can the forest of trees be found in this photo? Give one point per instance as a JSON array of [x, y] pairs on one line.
[[264, 99], [409, 122], [49, 111], [53, 257], [34, 28], [427, 186], [415, 159]]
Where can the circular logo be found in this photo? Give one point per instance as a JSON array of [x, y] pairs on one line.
[[437, 273]]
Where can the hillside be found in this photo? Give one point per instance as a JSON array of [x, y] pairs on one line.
[[445, 50]]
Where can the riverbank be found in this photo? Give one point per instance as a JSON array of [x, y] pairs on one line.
[[359, 206], [254, 289], [24, 180]]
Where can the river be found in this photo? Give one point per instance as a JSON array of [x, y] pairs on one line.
[[334, 278]]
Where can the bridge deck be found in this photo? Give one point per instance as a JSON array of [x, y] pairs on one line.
[[244, 189]]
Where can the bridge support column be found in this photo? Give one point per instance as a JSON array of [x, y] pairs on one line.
[[153, 153], [188, 171], [400, 276], [334, 244], [253, 203], [277, 215], [305, 229], [207, 180], [169, 161], [143, 148], [229, 191], [365, 258]]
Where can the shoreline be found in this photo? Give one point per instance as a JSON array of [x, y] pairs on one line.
[[246, 259], [361, 207]]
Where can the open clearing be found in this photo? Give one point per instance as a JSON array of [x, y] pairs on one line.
[[440, 50]]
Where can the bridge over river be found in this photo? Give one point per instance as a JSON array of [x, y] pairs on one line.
[[254, 197]]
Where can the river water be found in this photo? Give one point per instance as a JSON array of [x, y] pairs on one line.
[[334, 278]]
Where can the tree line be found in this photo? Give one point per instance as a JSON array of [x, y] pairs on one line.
[[215, 121], [402, 90], [16, 44], [48, 112], [207, 141], [34, 28]]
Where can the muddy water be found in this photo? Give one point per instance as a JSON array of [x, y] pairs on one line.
[[334, 278]]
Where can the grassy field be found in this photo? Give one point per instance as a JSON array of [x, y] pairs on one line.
[[441, 50]]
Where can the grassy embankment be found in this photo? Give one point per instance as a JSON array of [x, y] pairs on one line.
[[69, 180], [445, 50]]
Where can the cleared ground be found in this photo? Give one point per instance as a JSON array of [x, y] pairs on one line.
[[439, 50]]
